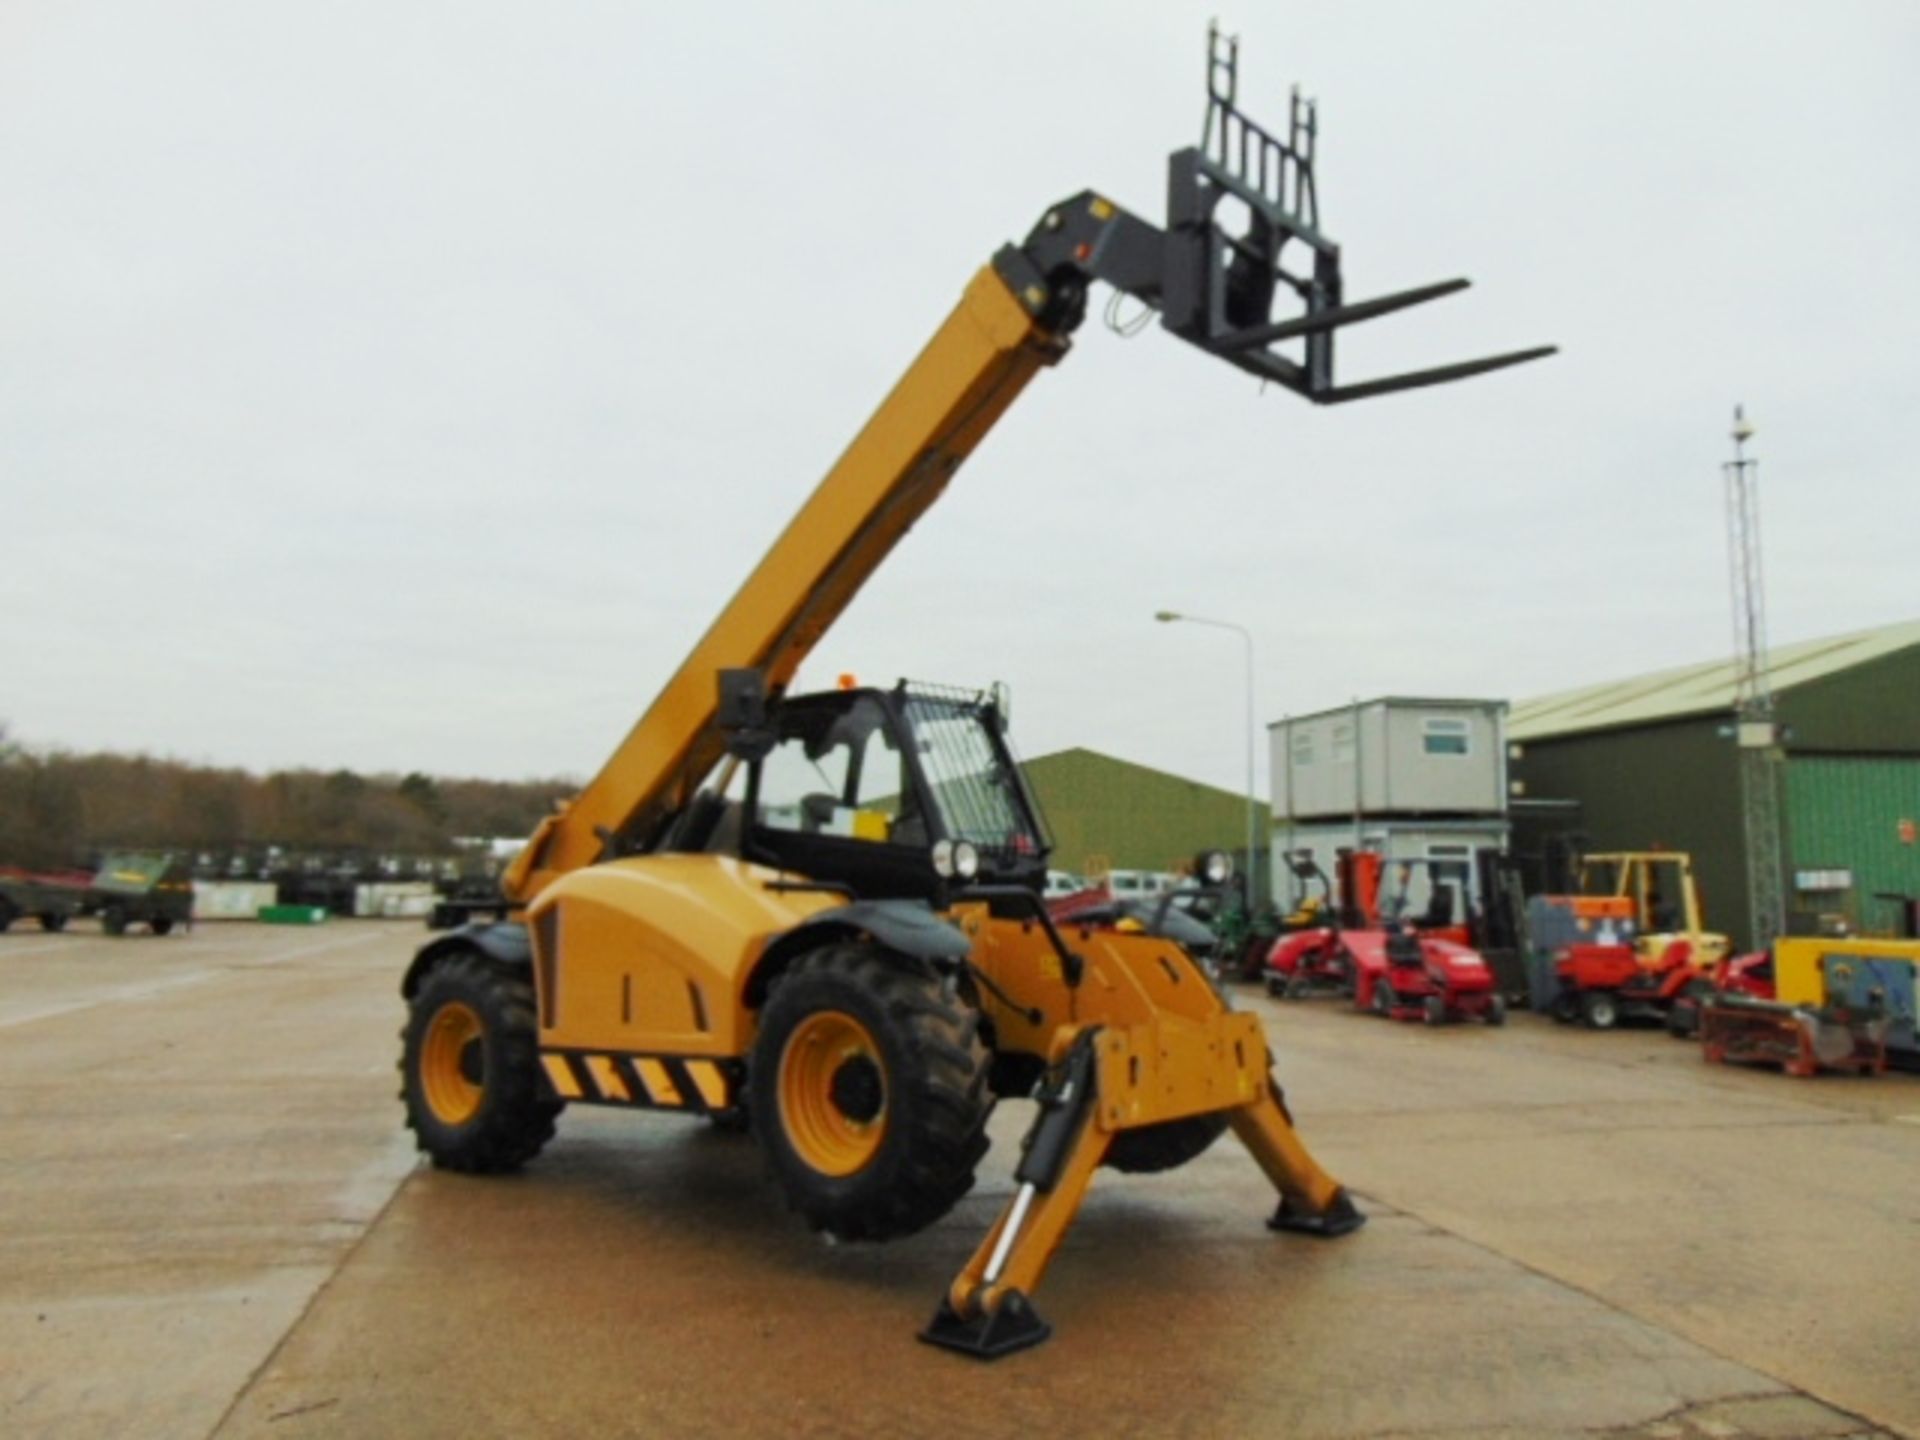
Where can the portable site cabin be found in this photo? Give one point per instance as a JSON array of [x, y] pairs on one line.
[[1419, 780]]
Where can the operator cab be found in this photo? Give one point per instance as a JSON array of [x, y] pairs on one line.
[[878, 790]]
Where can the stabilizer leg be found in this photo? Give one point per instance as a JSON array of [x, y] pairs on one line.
[[1311, 1201], [986, 1312]]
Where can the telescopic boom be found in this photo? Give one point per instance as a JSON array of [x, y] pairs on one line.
[[1238, 296]]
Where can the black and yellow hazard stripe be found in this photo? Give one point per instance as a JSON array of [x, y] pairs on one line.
[[654, 1082]]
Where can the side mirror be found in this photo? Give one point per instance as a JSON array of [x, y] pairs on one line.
[[744, 714]]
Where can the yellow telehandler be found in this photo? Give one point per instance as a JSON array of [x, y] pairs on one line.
[[820, 916]]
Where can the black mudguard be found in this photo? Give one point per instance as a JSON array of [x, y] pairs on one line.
[[907, 927], [504, 942]]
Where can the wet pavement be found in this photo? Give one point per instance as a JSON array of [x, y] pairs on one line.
[[211, 1224]]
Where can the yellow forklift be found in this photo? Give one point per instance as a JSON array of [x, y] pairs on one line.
[[1645, 952], [821, 916], [1664, 901]]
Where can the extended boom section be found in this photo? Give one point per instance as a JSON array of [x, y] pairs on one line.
[[1240, 270], [975, 366]]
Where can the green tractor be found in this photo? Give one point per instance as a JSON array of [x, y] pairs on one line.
[[136, 889]]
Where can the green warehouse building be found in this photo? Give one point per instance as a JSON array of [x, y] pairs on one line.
[[1105, 812], [1651, 763]]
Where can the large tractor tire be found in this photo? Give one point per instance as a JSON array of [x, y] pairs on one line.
[[470, 1069], [868, 1091], [1166, 1146]]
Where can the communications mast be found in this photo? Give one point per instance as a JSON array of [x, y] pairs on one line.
[[1755, 730]]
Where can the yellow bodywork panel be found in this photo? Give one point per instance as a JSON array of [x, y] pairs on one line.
[[1173, 1068], [1129, 977], [976, 364], [1799, 971], [652, 954]]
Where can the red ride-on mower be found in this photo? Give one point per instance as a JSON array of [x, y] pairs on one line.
[[1308, 963], [1605, 984], [1301, 929], [1400, 974], [1405, 975], [1749, 976]]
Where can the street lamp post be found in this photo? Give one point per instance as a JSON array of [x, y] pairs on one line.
[[1168, 617]]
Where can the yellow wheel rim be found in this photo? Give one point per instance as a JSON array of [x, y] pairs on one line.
[[833, 1093], [446, 1063]]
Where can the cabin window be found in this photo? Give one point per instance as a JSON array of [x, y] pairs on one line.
[[1439, 736], [1340, 750]]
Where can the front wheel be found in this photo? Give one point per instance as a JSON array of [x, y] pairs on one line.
[[1496, 1011], [470, 1069], [161, 925], [52, 923], [868, 1091], [1600, 1009], [1434, 1010], [113, 920]]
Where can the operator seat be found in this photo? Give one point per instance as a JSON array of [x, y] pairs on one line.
[[1404, 950]]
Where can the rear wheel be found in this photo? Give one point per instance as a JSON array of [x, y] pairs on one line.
[[7, 915], [1600, 1009], [868, 1090], [470, 1069], [1384, 999], [1566, 1007], [1253, 956], [1166, 1146]]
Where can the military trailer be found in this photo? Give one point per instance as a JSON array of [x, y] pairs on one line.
[[151, 890], [47, 898]]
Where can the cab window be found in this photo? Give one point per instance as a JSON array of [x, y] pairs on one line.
[[838, 773]]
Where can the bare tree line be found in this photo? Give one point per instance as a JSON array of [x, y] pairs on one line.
[[61, 809]]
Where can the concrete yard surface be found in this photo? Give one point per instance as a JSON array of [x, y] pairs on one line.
[[211, 1224]]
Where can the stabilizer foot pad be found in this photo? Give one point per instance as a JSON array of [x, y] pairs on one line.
[[1341, 1217], [1015, 1325]]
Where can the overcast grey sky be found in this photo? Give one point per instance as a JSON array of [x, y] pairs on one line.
[[405, 386]]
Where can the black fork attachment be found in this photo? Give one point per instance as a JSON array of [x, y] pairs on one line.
[[1242, 266]]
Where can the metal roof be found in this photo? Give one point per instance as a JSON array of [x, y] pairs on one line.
[[1397, 702], [1699, 689]]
